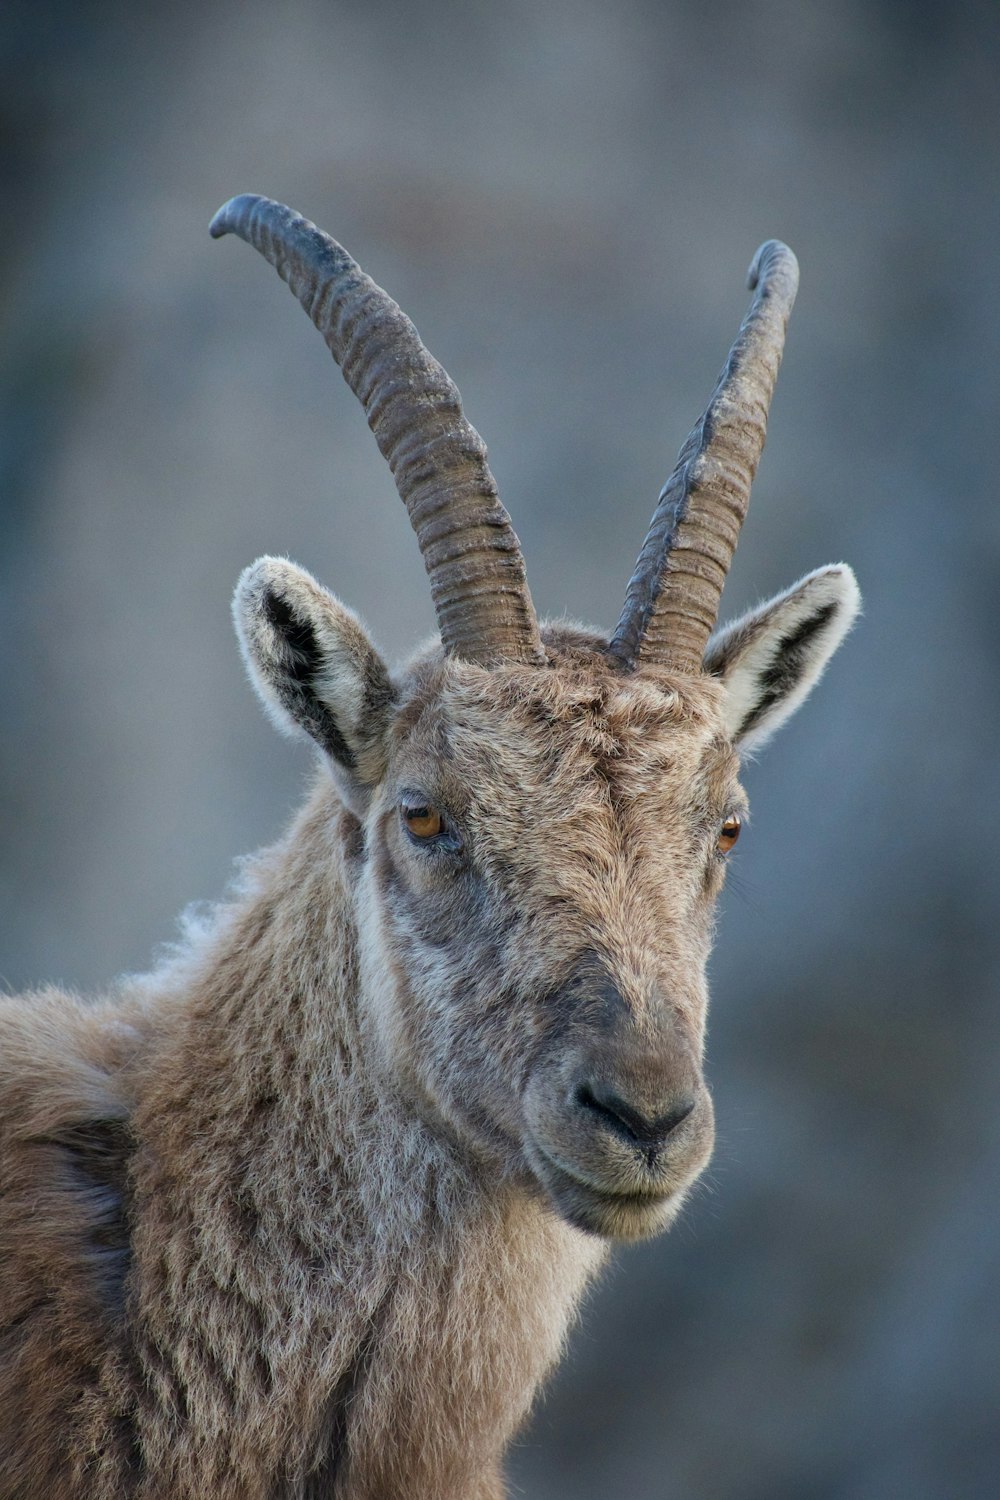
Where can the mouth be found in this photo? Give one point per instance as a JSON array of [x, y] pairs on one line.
[[613, 1215]]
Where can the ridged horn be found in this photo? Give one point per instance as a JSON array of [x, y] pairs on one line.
[[672, 599], [438, 460]]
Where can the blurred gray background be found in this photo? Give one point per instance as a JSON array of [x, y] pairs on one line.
[[565, 197]]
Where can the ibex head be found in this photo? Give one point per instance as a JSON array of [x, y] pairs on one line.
[[544, 814]]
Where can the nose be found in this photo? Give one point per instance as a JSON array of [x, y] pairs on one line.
[[634, 1123]]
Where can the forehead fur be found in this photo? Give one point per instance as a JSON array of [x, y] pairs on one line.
[[578, 714]]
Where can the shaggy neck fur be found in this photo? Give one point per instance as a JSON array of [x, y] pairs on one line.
[[263, 1139]]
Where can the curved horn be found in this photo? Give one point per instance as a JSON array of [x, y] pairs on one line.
[[673, 596], [438, 460]]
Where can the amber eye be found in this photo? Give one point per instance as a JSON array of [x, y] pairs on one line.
[[423, 822], [729, 833]]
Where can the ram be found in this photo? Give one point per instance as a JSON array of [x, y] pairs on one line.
[[307, 1211]]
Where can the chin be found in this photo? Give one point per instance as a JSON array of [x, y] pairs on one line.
[[625, 1217]]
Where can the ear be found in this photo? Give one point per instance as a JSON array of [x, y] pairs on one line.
[[771, 659], [316, 671]]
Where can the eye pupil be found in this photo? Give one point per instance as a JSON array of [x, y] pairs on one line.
[[729, 833], [423, 822]]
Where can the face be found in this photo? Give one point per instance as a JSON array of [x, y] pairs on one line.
[[545, 853]]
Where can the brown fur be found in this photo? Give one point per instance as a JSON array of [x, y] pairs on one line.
[[308, 1211]]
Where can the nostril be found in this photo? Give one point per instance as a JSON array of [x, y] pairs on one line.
[[586, 1099], [670, 1121], [625, 1120]]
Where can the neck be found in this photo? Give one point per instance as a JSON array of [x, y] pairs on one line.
[[368, 1286]]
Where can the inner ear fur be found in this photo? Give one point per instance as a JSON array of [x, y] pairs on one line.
[[314, 667], [773, 656]]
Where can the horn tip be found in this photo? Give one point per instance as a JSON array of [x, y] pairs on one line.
[[773, 258], [231, 214]]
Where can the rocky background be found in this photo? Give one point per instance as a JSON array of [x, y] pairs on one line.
[[565, 197]]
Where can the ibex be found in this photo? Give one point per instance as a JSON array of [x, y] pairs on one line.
[[307, 1211]]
